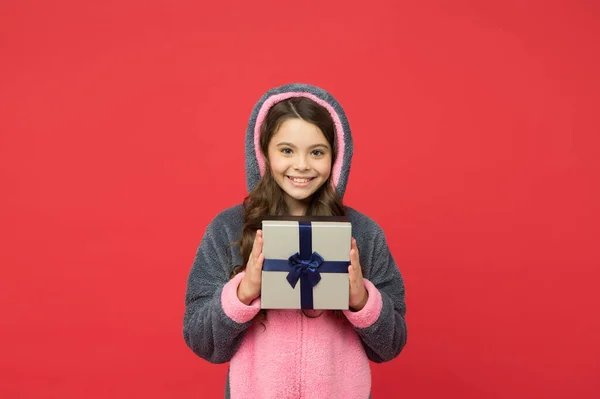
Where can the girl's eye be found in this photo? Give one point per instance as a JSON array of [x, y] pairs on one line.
[[286, 150], [318, 153]]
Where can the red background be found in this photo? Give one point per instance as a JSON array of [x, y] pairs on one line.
[[475, 126]]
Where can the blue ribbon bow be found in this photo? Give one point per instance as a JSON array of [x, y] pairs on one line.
[[305, 267]]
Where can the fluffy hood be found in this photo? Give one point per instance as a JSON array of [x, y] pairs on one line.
[[255, 161]]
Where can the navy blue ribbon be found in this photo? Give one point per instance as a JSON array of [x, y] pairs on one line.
[[305, 266]]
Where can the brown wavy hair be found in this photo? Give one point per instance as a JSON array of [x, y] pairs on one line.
[[267, 198]]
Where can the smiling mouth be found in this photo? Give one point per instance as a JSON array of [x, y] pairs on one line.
[[300, 180]]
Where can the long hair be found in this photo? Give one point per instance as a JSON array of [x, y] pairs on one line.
[[267, 198]]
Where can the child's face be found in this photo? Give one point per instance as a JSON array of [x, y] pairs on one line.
[[300, 159]]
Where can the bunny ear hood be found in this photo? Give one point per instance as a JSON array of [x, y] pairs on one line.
[[255, 161]]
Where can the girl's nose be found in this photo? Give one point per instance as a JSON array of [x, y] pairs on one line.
[[301, 163]]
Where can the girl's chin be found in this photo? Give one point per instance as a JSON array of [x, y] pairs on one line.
[[300, 197]]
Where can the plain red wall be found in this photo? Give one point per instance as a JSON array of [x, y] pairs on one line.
[[476, 134]]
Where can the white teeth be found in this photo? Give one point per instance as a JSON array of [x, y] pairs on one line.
[[296, 180]]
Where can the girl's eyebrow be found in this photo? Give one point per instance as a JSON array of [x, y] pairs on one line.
[[312, 146], [319, 145], [288, 144]]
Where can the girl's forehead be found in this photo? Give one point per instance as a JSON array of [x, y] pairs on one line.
[[299, 132]]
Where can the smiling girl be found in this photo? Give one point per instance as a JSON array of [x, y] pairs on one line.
[[298, 155]]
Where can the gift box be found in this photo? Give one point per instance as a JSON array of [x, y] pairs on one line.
[[306, 262]]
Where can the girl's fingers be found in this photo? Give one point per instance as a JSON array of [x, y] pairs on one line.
[[256, 248], [354, 250], [259, 244], [259, 255], [256, 240], [355, 261], [354, 257], [259, 262]]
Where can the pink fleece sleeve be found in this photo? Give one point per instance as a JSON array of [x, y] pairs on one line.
[[233, 307], [370, 313]]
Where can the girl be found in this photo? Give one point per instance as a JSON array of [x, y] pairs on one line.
[[298, 154]]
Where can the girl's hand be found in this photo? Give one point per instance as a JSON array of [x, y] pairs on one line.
[[358, 292], [249, 288]]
